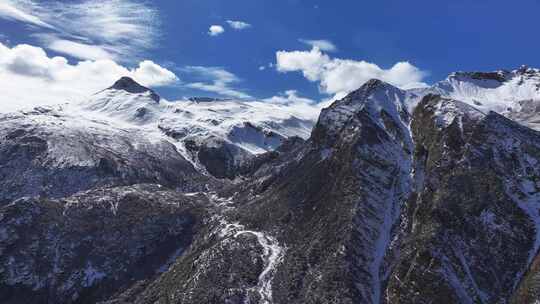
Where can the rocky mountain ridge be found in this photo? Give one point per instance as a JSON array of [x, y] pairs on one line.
[[397, 196], [218, 136]]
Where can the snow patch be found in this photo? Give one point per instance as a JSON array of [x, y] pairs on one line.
[[272, 254], [92, 275]]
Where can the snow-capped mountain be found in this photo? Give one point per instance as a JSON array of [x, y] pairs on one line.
[[396, 196], [515, 94], [218, 136], [54, 152]]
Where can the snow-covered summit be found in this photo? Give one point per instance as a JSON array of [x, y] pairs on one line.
[[447, 111], [228, 133], [129, 85], [126, 101], [376, 97], [231, 131], [514, 94], [500, 91], [253, 125]]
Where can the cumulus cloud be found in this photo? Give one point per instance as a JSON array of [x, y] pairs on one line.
[[153, 75], [311, 64], [323, 45], [238, 25], [217, 80], [340, 76], [89, 29], [34, 78], [216, 30]]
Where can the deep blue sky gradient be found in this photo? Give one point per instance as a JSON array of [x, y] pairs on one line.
[[437, 36]]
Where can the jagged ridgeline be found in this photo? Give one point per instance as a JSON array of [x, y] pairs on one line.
[[427, 195]]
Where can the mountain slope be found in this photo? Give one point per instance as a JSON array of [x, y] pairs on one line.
[[86, 247], [370, 212], [396, 196], [514, 94], [469, 230], [217, 136], [329, 238], [53, 153]]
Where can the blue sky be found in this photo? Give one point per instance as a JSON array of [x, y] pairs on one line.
[[370, 37]]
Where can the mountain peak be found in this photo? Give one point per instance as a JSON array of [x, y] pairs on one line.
[[131, 86], [206, 99], [372, 86], [368, 87], [499, 76], [527, 71], [381, 101]]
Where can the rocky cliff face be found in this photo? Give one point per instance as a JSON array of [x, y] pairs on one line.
[[396, 197], [469, 230]]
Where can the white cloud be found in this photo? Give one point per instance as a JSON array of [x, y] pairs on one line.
[[216, 30], [340, 76], [288, 97], [218, 81], [238, 25], [15, 10], [323, 45], [79, 50], [31, 77], [311, 64], [120, 28], [153, 75], [299, 106]]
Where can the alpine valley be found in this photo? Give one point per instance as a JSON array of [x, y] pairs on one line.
[[428, 195]]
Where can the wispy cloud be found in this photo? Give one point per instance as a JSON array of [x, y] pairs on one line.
[[79, 50], [96, 28], [321, 44], [238, 25], [215, 30], [21, 11], [217, 80]]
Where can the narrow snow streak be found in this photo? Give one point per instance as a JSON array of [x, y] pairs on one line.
[[458, 252], [529, 204], [455, 282], [391, 215], [272, 254], [381, 245]]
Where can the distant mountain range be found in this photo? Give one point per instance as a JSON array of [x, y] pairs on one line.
[[428, 195]]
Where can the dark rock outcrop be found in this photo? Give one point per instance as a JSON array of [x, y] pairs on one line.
[[87, 247], [469, 229], [129, 85]]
